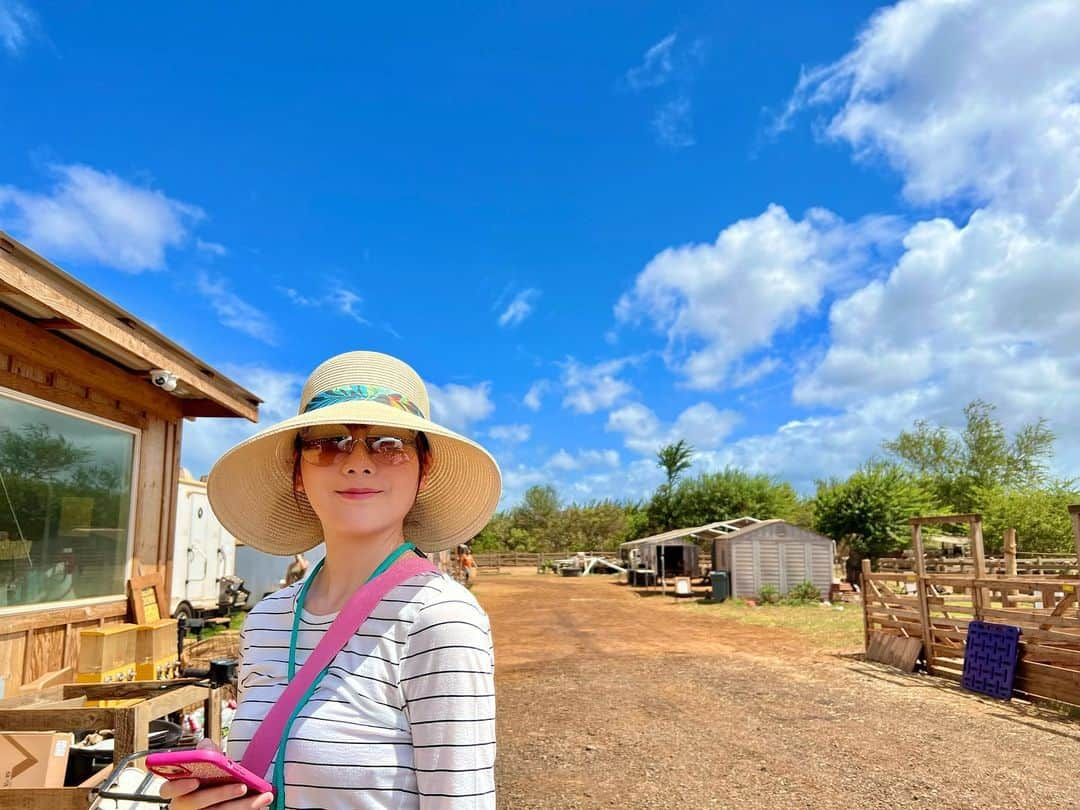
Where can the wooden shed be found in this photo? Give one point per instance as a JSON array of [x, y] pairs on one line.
[[89, 457], [777, 553]]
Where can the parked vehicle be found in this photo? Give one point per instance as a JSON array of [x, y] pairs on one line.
[[204, 581]]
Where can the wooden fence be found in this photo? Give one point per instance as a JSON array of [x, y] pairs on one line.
[[936, 608], [511, 559]]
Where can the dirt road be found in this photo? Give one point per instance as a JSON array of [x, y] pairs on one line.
[[607, 698]]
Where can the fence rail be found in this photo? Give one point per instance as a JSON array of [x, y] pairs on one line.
[[511, 559], [937, 608]]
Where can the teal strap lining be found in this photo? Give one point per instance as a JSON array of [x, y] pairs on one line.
[[279, 759]]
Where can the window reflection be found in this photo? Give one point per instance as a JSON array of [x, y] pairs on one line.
[[65, 497]]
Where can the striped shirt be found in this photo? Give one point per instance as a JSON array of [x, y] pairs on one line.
[[405, 715]]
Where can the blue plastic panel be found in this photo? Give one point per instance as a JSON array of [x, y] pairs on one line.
[[990, 658]]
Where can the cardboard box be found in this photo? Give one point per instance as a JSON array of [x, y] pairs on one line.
[[34, 758]]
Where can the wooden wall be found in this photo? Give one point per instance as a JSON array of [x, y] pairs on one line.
[[36, 362]]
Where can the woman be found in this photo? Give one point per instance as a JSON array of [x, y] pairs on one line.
[[404, 716]]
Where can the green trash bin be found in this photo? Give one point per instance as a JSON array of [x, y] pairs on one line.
[[721, 585]]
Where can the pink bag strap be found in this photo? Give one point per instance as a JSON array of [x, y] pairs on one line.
[[264, 744]]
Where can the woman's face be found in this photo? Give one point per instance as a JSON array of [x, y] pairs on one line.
[[360, 480]]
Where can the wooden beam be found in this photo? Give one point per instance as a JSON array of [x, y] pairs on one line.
[[56, 323], [76, 798], [23, 339], [1074, 513], [924, 606], [931, 519], [981, 596], [64, 296], [59, 616], [865, 585]]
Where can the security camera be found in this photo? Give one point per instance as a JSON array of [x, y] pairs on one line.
[[163, 379]]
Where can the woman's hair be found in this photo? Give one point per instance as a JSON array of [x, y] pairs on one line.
[[423, 455]]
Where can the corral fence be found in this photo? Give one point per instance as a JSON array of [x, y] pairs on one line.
[[517, 559], [936, 608]]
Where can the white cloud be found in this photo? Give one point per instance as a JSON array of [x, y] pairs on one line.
[[17, 25], [624, 481], [458, 406], [964, 98], [535, 394], [748, 374], [717, 302], [656, 68], [673, 124], [702, 426], [233, 311], [338, 298], [205, 440], [520, 308], [968, 101], [564, 461], [92, 215], [593, 388], [213, 248], [511, 434]]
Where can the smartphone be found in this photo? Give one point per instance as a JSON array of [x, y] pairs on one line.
[[209, 767]]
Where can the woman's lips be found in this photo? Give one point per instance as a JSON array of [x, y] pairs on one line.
[[358, 494]]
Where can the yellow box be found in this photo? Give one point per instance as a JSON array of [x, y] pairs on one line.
[[155, 651], [106, 654]]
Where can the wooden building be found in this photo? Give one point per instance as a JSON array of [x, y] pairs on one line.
[[89, 457]]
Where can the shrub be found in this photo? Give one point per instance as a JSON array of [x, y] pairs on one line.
[[768, 595], [803, 594]]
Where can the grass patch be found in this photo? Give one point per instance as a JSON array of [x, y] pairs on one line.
[[828, 630]]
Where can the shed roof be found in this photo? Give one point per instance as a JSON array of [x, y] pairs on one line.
[[750, 529], [705, 532], [39, 291]]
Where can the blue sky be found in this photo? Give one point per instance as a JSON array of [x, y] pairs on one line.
[[592, 229]]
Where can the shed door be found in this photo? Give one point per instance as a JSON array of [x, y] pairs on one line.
[[768, 564], [796, 568]]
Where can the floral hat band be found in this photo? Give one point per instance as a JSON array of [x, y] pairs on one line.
[[364, 393]]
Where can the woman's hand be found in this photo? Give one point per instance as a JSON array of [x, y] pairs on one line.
[[186, 794]]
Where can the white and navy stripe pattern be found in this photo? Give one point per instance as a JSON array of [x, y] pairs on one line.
[[405, 716]]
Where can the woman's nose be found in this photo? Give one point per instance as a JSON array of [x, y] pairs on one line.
[[359, 460]]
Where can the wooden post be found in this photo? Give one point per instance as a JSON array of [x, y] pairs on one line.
[[1074, 513], [864, 584], [980, 597], [924, 605], [1010, 565]]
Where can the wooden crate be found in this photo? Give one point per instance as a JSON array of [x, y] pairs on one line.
[[79, 706]]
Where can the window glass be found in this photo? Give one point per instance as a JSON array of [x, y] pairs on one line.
[[65, 498]]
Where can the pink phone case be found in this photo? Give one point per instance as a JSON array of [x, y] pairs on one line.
[[209, 767]]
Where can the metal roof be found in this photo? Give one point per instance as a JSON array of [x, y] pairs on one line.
[[706, 532]]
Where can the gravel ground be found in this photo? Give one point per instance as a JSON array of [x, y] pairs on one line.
[[608, 698]]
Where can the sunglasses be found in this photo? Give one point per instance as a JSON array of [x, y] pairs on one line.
[[328, 450]]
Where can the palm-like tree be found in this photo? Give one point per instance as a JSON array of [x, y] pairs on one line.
[[675, 459]]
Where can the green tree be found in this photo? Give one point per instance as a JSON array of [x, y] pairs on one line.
[[675, 459], [1040, 517], [869, 511], [729, 494], [956, 468]]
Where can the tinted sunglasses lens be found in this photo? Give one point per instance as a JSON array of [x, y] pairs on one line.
[[326, 451], [388, 449]]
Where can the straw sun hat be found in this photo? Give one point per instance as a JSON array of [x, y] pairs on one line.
[[251, 486]]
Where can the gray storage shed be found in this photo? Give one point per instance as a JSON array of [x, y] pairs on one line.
[[777, 553]]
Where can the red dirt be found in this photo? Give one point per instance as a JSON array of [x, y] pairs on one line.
[[611, 698]]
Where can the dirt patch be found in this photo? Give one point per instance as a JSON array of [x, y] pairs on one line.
[[611, 698]]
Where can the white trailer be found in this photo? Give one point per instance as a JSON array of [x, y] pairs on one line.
[[204, 580]]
